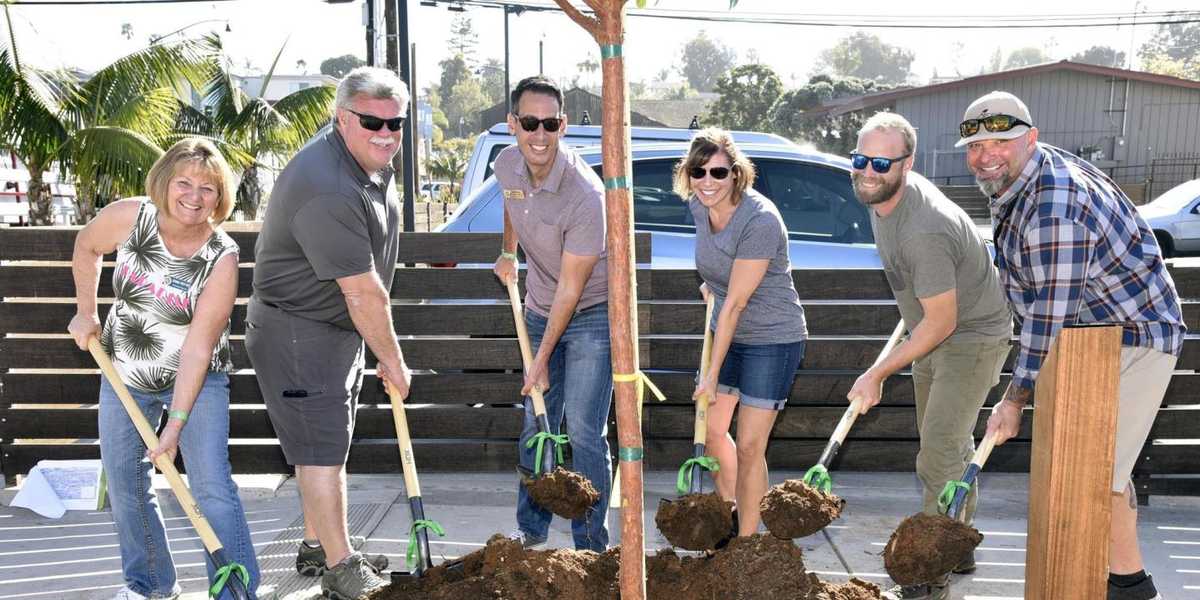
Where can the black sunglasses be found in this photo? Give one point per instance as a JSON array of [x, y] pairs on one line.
[[530, 123], [717, 173], [992, 123], [373, 123], [879, 163]]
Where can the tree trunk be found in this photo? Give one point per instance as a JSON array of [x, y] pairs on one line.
[[249, 194], [39, 196], [607, 28]]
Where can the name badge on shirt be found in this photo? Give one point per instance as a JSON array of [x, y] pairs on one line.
[[514, 195]]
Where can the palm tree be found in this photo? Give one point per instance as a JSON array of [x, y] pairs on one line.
[[252, 130], [105, 132], [448, 166]]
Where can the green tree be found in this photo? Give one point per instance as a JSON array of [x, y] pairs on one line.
[[338, 66], [747, 94], [704, 60], [1104, 56], [463, 38], [865, 56], [449, 161], [105, 132], [252, 130], [492, 75], [454, 70], [796, 115], [1174, 50], [1024, 57], [462, 105]]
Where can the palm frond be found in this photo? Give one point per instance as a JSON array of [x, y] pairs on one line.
[[135, 296], [136, 340], [114, 87], [306, 111], [189, 270], [226, 98], [148, 253], [153, 113], [121, 154], [152, 378], [172, 313], [29, 122], [271, 72], [223, 357], [189, 121]]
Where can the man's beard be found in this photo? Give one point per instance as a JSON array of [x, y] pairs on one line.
[[993, 187], [882, 194]]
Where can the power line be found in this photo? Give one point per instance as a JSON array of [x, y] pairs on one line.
[[103, 2]]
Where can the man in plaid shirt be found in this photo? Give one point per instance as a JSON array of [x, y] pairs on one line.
[[1071, 249]]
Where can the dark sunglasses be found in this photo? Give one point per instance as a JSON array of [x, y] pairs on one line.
[[530, 123], [717, 173], [373, 123], [879, 163], [992, 123]]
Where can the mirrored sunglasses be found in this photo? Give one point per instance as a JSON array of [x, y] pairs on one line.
[[878, 163], [992, 123]]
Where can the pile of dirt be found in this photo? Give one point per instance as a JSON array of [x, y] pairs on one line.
[[695, 521], [759, 567], [794, 509], [564, 493], [925, 547]]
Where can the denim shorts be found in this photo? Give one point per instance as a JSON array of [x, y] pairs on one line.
[[760, 374]]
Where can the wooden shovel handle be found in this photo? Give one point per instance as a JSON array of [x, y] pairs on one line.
[[514, 298], [407, 462], [984, 450], [851, 414], [700, 435], [163, 462]]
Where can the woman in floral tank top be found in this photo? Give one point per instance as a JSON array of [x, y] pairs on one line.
[[168, 335]]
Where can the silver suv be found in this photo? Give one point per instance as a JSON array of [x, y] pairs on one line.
[[827, 226]]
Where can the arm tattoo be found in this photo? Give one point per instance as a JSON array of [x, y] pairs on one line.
[[1019, 395]]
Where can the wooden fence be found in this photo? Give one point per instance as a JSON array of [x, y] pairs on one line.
[[464, 409]]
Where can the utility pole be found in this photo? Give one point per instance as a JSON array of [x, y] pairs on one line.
[[408, 143], [371, 32], [508, 108]]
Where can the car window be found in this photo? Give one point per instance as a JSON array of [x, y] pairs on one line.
[[817, 203], [496, 149], [655, 205]]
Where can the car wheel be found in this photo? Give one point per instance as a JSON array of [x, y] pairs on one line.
[[1165, 243]]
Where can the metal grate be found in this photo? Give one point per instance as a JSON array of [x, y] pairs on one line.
[[277, 561]]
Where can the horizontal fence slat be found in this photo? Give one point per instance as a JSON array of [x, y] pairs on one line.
[[809, 389]]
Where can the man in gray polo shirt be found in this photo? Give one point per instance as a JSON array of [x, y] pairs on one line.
[[949, 295], [324, 265], [554, 207]]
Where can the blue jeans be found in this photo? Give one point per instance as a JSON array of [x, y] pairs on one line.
[[204, 444], [761, 375], [581, 392]]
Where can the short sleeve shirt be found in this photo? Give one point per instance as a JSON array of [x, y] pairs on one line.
[[930, 246], [326, 219], [564, 214], [773, 314]]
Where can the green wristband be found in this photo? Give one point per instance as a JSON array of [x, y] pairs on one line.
[[509, 255], [181, 415]]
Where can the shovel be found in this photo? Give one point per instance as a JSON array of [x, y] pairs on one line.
[[547, 442], [817, 477], [691, 474], [954, 494], [226, 569], [417, 557]]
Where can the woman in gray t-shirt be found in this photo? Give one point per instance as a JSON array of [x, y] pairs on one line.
[[759, 329]]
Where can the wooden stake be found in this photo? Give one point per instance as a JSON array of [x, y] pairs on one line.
[[1070, 480]]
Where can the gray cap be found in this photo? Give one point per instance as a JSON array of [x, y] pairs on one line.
[[996, 103]]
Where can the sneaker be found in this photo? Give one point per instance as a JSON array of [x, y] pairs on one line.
[[1142, 591], [352, 579], [967, 566], [528, 541], [310, 561], [128, 594], [928, 591]]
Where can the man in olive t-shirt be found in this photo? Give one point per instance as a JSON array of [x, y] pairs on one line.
[[949, 295]]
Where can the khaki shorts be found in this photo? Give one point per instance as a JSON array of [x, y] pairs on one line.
[[1145, 374]]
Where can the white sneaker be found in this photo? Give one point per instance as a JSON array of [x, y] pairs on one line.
[[128, 594]]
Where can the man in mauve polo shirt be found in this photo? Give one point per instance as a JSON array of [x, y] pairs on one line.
[[554, 208]]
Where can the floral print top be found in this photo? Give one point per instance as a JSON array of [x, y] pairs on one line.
[[155, 298]]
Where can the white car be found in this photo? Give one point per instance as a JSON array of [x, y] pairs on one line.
[[1175, 218], [433, 190]]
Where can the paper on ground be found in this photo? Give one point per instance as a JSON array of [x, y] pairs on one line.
[[56, 486]]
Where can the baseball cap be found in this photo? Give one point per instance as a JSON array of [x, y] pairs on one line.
[[993, 104]]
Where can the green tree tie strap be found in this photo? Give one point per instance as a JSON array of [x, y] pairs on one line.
[[683, 482], [617, 183], [946, 498], [629, 453], [818, 478], [608, 51], [539, 439], [410, 556], [222, 576]]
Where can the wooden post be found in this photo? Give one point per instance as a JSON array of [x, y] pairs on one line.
[[1070, 480]]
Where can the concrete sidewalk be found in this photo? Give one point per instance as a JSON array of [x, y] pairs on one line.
[[76, 557]]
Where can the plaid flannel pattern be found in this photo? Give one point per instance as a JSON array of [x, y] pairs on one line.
[[1072, 249]]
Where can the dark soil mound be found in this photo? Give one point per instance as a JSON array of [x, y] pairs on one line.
[[695, 521], [925, 547], [793, 509], [759, 567], [564, 493]]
